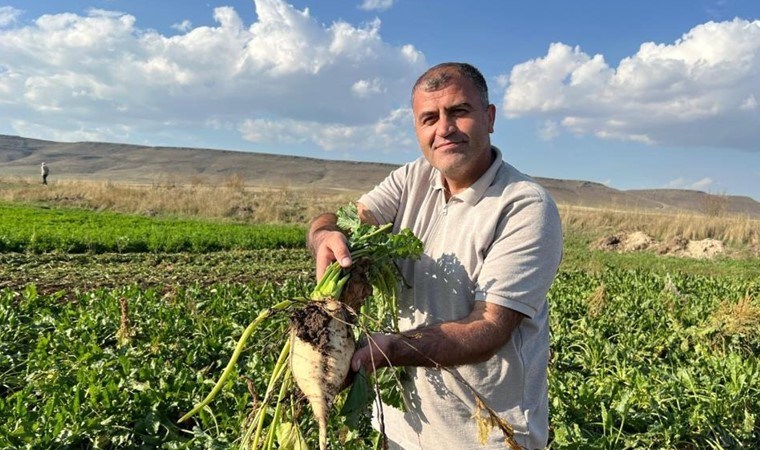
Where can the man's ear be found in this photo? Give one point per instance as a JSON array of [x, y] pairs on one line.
[[491, 117]]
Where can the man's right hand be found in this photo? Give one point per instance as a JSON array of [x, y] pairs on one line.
[[327, 243], [330, 246]]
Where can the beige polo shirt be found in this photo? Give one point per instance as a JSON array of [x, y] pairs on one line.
[[498, 241]]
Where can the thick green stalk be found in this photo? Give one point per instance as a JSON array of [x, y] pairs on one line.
[[380, 229], [331, 284], [281, 368], [235, 355], [276, 417]]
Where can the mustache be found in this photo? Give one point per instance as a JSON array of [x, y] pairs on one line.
[[439, 143]]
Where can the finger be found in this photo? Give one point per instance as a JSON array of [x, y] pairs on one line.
[[333, 248], [344, 259], [338, 247], [356, 359], [349, 380]]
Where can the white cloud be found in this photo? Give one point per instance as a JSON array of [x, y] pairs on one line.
[[376, 5], [749, 103], [699, 91], [703, 184], [684, 183], [8, 15], [548, 130], [391, 132], [102, 76], [118, 133], [365, 88], [183, 26]]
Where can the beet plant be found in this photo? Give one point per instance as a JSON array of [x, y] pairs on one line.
[[344, 305]]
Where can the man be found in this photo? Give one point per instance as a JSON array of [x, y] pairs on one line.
[[477, 302], [45, 171]]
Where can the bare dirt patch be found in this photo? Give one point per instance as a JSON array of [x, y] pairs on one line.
[[706, 248], [639, 241]]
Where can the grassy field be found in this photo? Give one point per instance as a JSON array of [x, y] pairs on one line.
[[233, 201], [40, 229], [116, 321], [230, 200]]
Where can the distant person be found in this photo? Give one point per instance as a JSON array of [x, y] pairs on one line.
[[45, 171]]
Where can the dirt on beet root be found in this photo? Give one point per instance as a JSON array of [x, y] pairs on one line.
[[311, 324]]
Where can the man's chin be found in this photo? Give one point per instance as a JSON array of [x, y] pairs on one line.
[[451, 164]]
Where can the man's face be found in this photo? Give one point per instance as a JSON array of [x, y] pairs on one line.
[[453, 128]]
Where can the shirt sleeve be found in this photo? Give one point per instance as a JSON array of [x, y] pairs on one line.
[[385, 199], [521, 264]]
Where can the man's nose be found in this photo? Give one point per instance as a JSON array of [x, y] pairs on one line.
[[446, 126]]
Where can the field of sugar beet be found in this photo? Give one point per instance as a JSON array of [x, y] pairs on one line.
[[114, 325]]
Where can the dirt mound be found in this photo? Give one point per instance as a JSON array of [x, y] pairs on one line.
[[678, 246], [706, 248], [625, 242]]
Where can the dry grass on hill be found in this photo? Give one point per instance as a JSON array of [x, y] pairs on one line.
[[730, 229], [233, 199]]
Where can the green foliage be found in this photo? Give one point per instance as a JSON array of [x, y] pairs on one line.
[[53, 272], [377, 242], [66, 383], [639, 363], [646, 350], [378, 246], [375, 249], [38, 229]]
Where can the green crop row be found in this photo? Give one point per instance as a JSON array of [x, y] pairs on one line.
[[116, 369], [25, 228], [646, 360], [639, 360]]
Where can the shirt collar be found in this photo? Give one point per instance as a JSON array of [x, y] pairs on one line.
[[475, 192]]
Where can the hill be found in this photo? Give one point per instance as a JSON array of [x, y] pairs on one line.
[[141, 164], [125, 163]]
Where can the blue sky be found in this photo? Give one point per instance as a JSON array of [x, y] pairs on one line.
[[635, 95]]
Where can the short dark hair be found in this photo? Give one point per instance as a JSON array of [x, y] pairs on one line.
[[439, 76]]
